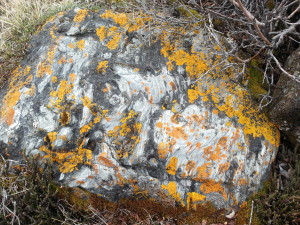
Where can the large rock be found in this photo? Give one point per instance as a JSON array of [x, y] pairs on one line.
[[122, 103], [286, 109]]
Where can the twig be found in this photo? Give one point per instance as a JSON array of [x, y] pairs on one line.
[[294, 12], [283, 33], [249, 59], [283, 70], [246, 12], [251, 214]]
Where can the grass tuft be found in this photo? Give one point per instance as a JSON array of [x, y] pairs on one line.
[[19, 19], [279, 201]]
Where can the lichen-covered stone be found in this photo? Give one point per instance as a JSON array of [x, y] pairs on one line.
[[122, 103], [286, 100]]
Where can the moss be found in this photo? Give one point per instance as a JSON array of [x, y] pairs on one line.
[[244, 214], [270, 4], [256, 83], [189, 13]]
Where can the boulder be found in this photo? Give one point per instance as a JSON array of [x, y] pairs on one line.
[[286, 108], [124, 104]]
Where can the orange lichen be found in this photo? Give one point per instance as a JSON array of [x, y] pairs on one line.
[[190, 166], [193, 94], [171, 187], [54, 79], [195, 62], [163, 149], [13, 95], [171, 168], [105, 161], [97, 112], [129, 129], [178, 132], [176, 118], [80, 16], [114, 42], [215, 111], [223, 167], [62, 60], [101, 32], [203, 172], [68, 161], [80, 182], [170, 65], [71, 45], [80, 44], [72, 77], [239, 106], [61, 96], [193, 198], [86, 128], [119, 18], [9, 118], [52, 136], [210, 186], [242, 182], [198, 145], [45, 67], [113, 35], [102, 66]]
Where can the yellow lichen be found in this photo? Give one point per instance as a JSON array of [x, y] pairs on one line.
[[80, 44], [171, 168], [193, 94], [193, 198], [54, 79], [119, 18], [80, 16], [86, 128], [171, 187], [102, 66], [45, 67], [114, 42], [68, 161], [14, 93], [101, 32], [129, 128]]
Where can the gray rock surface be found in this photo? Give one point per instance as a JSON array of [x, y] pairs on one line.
[[286, 109], [121, 103]]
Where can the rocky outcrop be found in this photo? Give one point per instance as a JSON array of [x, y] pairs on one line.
[[122, 103], [286, 109]]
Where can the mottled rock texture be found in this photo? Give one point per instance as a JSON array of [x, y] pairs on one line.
[[286, 109], [122, 103]]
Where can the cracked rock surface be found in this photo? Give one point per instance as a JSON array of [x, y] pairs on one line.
[[120, 107]]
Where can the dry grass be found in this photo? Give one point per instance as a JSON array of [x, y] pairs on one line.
[[19, 19], [279, 201]]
